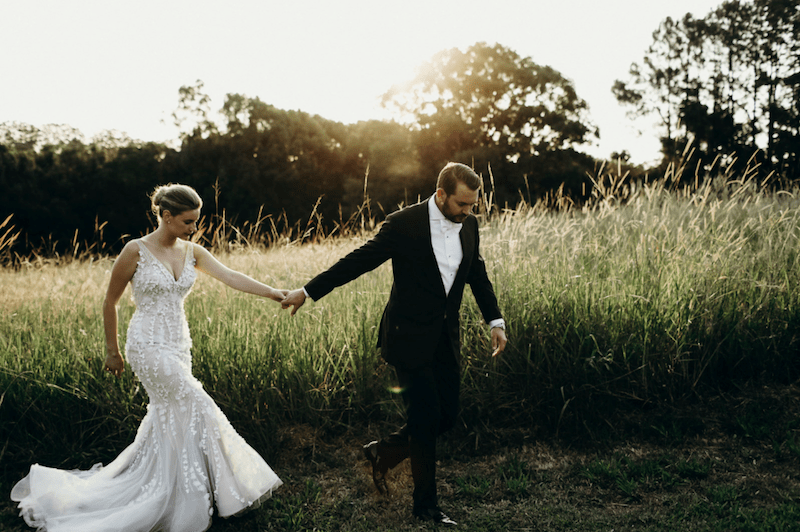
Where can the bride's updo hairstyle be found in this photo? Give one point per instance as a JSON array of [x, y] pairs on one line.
[[174, 198]]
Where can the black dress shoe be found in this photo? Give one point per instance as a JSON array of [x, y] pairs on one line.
[[378, 469], [434, 514]]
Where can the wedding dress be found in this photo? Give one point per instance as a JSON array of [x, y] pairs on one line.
[[186, 457]]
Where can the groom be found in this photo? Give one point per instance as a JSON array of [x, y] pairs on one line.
[[433, 246]]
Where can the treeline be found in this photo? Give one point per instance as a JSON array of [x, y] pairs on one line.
[[727, 85], [259, 164], [287, 172]]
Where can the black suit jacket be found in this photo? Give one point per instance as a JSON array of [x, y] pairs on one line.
[[418, 306]]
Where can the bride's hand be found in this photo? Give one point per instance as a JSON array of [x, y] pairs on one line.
[[278, 294], [114, 364]]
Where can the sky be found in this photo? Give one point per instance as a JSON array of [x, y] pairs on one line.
[[118, 65]]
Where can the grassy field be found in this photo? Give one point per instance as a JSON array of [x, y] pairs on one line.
[[649, 382]]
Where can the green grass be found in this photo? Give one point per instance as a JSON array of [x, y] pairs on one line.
[[649, 297]]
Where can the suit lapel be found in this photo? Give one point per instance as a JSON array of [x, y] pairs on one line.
[[467, 237]]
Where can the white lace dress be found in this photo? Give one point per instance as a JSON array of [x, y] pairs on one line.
[[186, 457]]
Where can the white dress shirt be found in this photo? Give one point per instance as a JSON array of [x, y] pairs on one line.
[[446, 244], [447, 249]]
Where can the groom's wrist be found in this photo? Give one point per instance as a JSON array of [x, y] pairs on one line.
[[498, 323]]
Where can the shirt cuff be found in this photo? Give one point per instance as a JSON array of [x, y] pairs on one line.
[[306, 292], [499, 322]]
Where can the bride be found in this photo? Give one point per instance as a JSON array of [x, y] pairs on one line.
[[186, 457]]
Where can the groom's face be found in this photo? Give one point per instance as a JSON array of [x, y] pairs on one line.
[[457, 206]]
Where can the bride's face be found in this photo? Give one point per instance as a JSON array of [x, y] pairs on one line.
[[182, 225]]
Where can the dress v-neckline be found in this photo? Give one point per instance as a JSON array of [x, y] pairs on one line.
[[170, 272]]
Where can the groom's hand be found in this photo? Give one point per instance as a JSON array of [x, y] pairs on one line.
[[294, 299], [498, 340]]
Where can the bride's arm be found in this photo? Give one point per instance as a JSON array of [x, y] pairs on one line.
[[207, 263], [121, 273]]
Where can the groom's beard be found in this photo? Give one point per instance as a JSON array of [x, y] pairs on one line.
[[455, 218]]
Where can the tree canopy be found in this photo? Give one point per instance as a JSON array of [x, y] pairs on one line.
[[489, 106], [494, 97]]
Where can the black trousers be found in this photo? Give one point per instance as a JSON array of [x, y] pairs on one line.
[[430, 394]]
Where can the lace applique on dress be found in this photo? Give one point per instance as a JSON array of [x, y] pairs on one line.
[[186, 458]]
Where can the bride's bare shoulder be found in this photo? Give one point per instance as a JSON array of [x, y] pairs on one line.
[[130, 251]]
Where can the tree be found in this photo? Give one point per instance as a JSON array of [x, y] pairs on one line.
[[265, 157], [660, 84], [491, 103], [777, 32], [192, 115], [384, 166]]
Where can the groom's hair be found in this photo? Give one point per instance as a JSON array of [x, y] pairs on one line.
[[454, 173]]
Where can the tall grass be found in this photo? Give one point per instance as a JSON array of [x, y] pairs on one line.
[[648, 293]]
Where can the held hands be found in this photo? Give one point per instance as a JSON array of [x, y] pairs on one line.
[[278, 294], [498, 340], [294, 299], [114, 364]]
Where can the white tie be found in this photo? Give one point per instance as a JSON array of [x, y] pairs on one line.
[[448, 226]]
